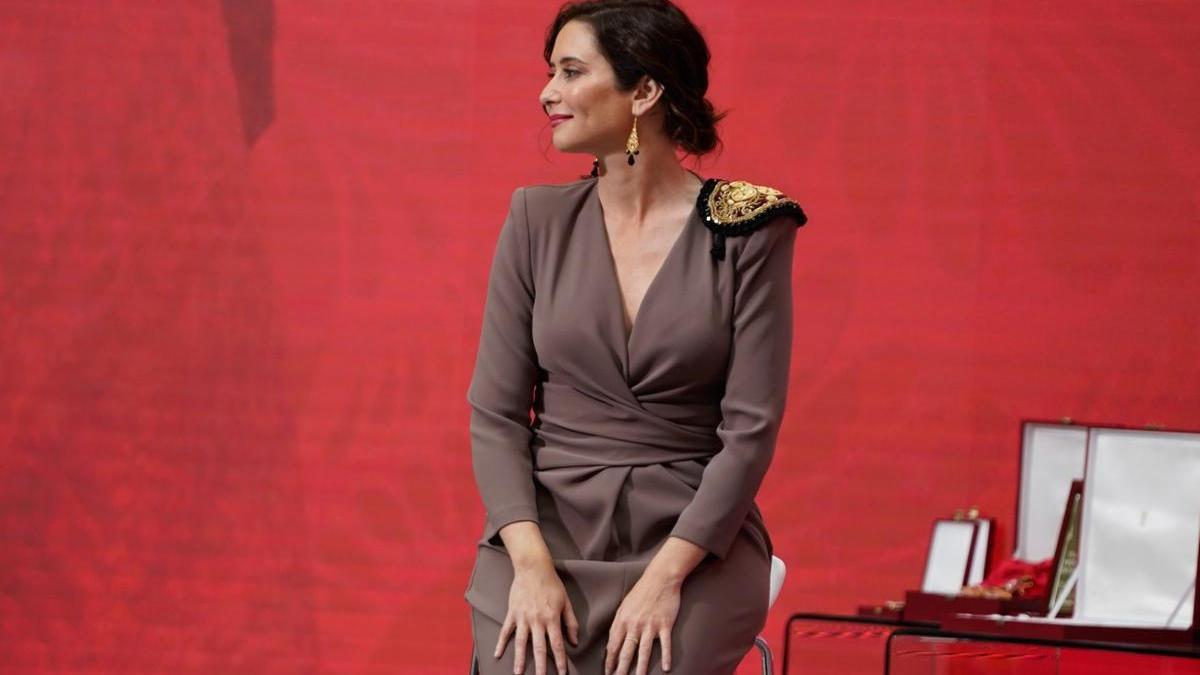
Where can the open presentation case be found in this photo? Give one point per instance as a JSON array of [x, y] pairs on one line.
[[1138, 545], [1052, 457]]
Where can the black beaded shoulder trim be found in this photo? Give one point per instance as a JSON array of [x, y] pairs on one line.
[[732, 208]]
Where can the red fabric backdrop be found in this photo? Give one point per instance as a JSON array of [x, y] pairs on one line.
[[243, 254]]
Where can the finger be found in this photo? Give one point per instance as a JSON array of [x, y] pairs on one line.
[[504, 632], [539, 650], [519, 647], [664, 642], [645, 644], [628, 651], [557, 647], [572, 623], [613, 650]]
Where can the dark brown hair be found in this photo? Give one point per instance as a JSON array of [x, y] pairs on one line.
[[655, 38]]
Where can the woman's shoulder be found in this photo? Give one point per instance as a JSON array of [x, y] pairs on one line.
[[538, 195], [549, 209], [737, 208]]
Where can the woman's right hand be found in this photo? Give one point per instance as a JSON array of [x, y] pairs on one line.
[[537, 606]]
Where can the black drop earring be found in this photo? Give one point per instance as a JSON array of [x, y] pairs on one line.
[[595, 167]]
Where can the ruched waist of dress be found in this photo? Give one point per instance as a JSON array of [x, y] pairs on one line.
[[573, 429], [549, 457]]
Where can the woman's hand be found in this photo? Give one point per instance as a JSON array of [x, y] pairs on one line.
[[537, 605], [647, 612]]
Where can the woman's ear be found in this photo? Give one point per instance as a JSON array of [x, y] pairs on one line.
[[646, 94]]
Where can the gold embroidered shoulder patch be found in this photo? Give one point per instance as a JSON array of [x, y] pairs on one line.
[[732, 208]]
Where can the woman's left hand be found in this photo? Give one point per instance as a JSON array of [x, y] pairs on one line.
[[647, 612]]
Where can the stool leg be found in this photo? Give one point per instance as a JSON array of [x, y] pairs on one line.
[[765, 649]]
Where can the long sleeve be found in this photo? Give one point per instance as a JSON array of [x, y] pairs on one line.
[[755, 392], [501, 390]]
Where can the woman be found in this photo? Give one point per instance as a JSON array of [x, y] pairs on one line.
[[645, 315]]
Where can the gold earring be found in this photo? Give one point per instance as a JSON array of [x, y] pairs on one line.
[[631, 145]]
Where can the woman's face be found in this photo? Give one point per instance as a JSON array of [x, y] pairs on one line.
[[583, 85]]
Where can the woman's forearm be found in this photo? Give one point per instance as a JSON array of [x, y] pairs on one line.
[[525, 545], [675, 560]]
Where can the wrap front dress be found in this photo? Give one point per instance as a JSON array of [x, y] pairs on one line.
[[666, 431]]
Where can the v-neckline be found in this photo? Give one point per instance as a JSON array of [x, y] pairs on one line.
[[618, 296]]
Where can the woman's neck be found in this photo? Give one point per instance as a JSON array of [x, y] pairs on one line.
[[656, 184]]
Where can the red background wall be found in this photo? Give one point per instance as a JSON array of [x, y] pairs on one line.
[[243, 255]]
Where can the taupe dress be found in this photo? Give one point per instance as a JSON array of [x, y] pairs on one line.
[[665, 431]]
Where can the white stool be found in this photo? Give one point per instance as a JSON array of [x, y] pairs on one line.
[[778, 572]]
